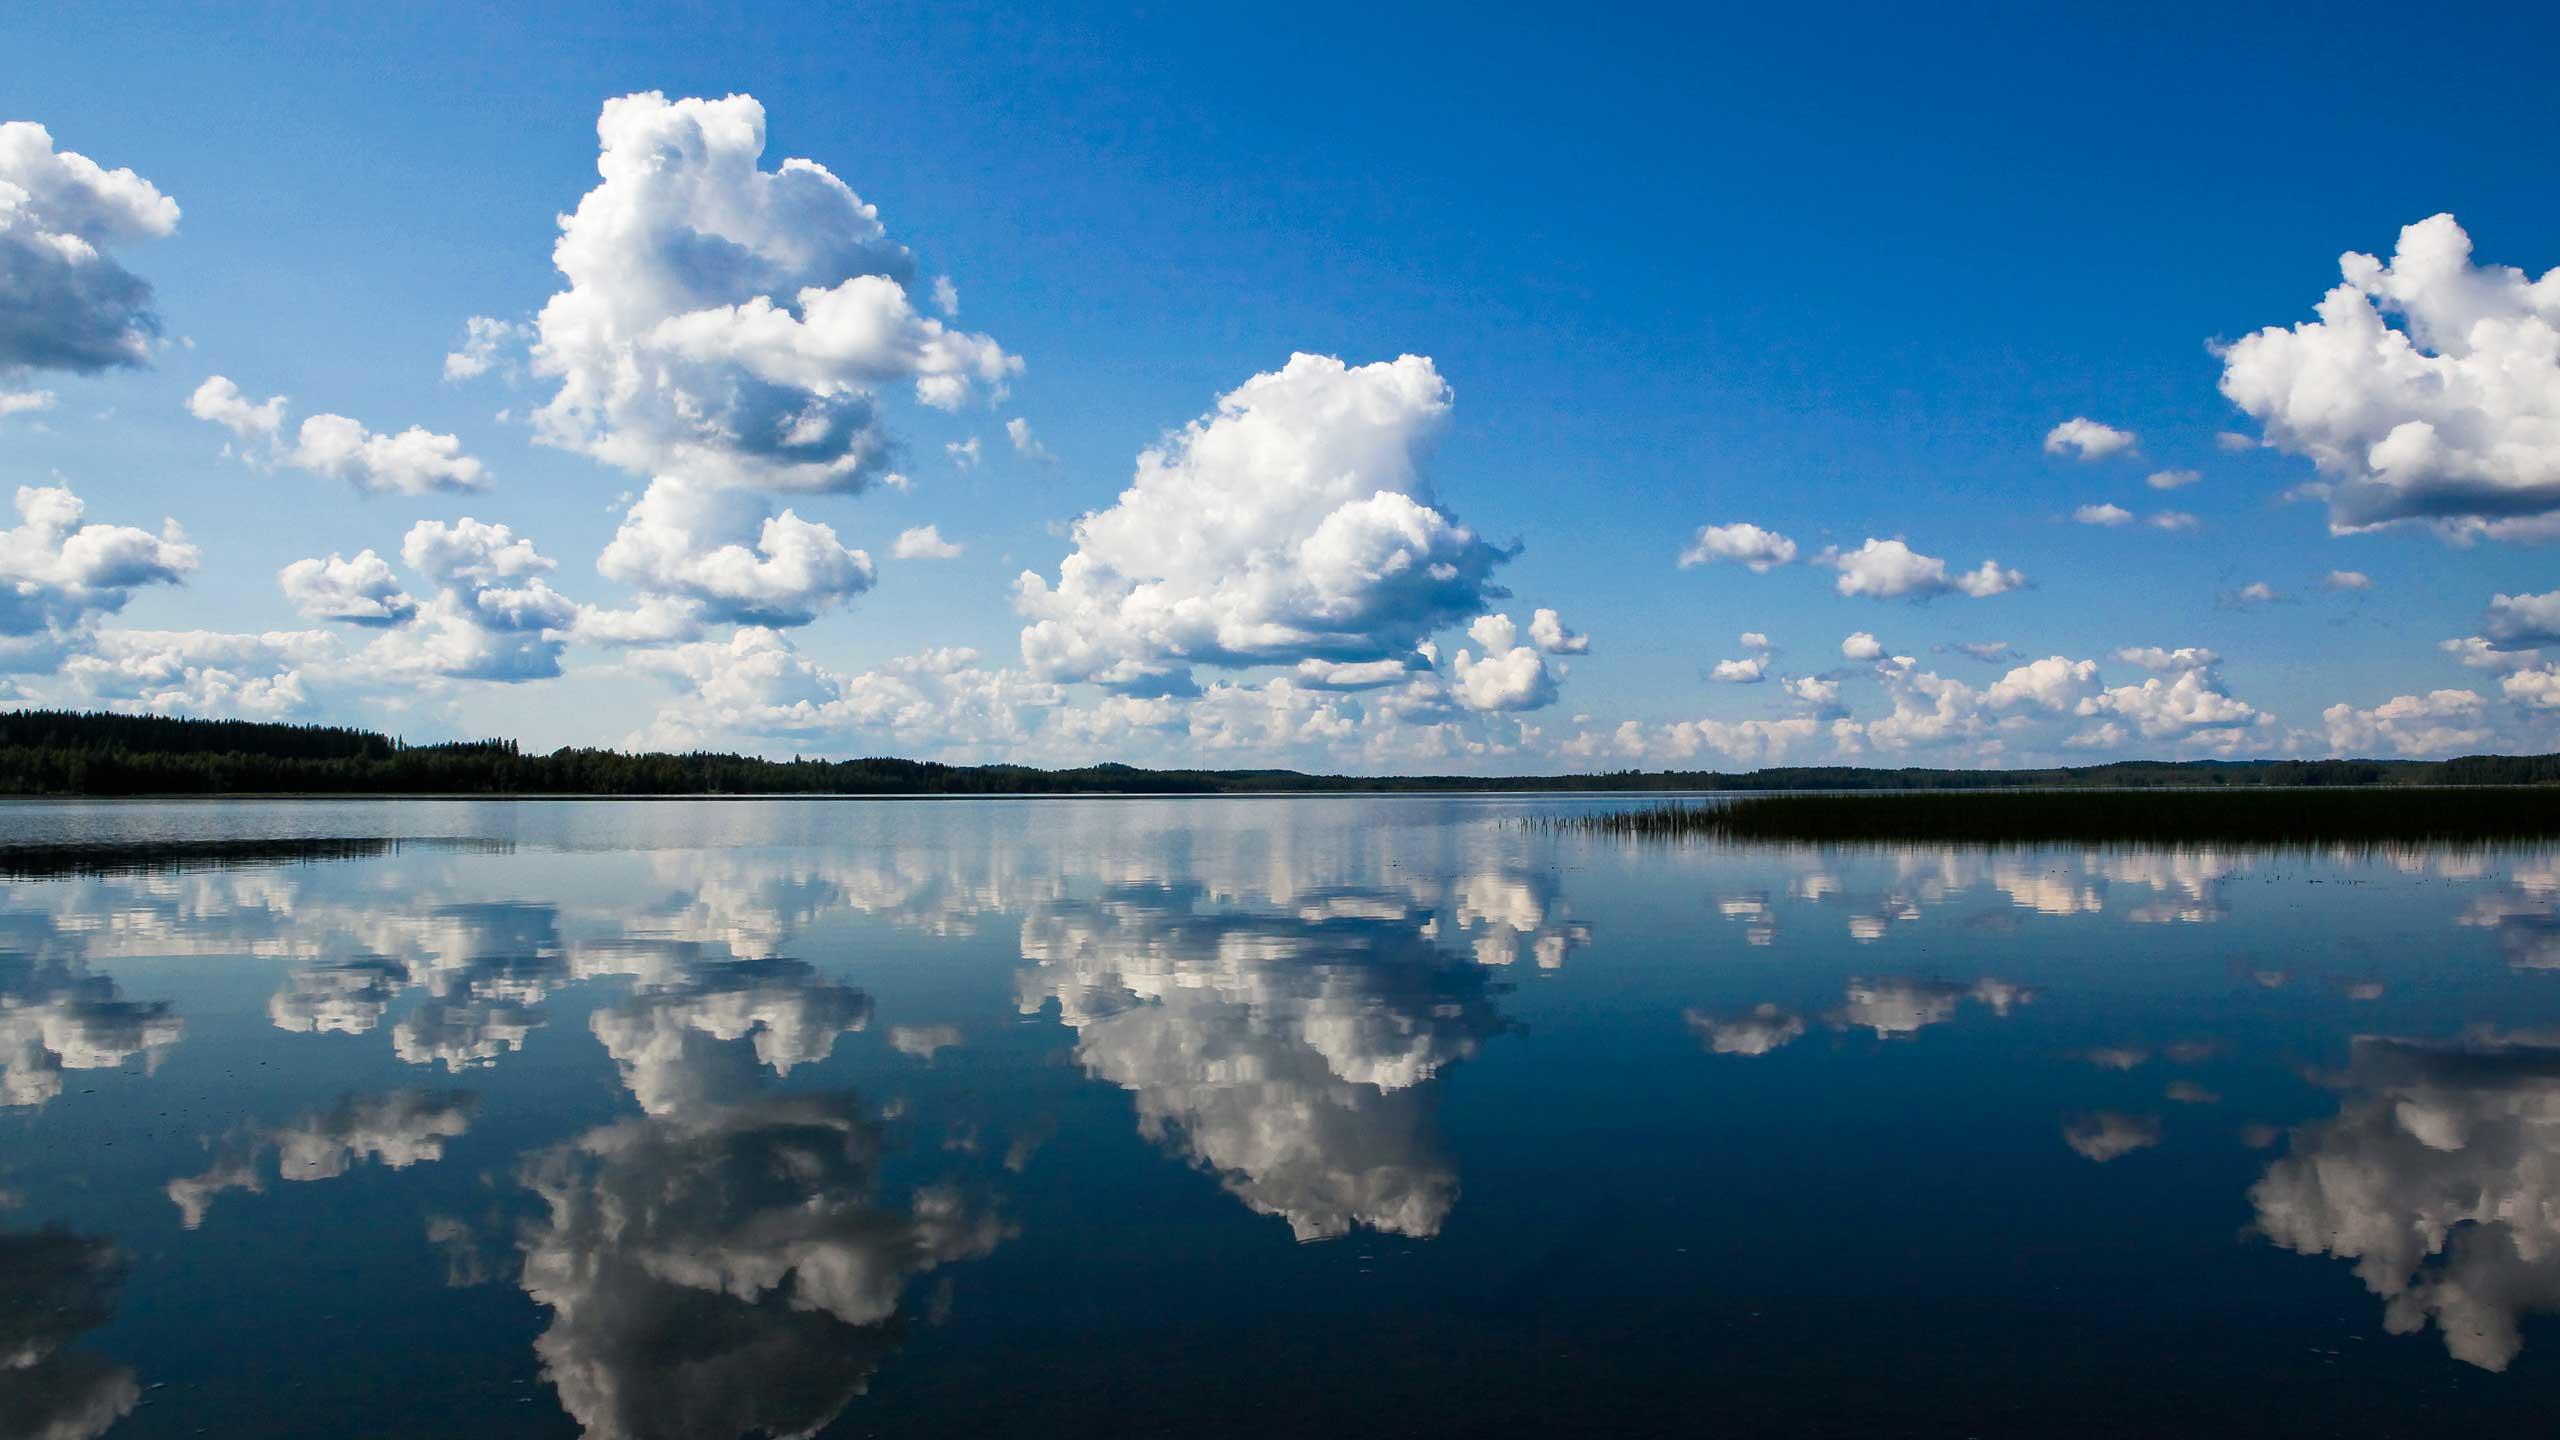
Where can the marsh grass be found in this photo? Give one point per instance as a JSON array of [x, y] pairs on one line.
[[127, 857], [2253, 817]]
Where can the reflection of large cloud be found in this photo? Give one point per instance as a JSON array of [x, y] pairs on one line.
[[1896, 1006], [2440, 1178], [1509, 911], [53, 1285], [2110, 1134], [752, 906], [2524, 914], [1757, 1032], [701, 1038], [1290, 1056], [484, 969], [2183, 885], [728, 1273], [337, 997], [463, 1034], [2186, 884], [397, 1128], [56, 1016]]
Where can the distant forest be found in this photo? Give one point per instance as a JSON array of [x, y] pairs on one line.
[[51, 752]]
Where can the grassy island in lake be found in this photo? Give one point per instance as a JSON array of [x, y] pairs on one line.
[[2259, 816]]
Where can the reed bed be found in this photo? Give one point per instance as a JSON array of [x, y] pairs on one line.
[[56, 859], [2253, 817]]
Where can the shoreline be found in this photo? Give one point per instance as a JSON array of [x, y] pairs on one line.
[[1351, 792]]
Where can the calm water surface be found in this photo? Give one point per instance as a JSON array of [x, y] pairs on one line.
[[1343, 1117]]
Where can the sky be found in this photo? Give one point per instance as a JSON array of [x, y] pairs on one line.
[[1361, 389]]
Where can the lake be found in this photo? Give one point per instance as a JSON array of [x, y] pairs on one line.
[[1318, 1116]]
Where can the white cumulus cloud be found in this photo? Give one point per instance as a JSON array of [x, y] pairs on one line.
[[199, 672], [1742, 543], [2189, 704], [489, 613], [1737, 742], [731, 325], [1813, 690], [2515, 621], [923, 542], [731, 554], [1294, 522], [2086, 439], [1547, 632], [66, 303], [2476, 652], [416, 461], [361, 591], [2451, 416], [2535, 686], [1892, 570], [2436, 723], [25, 402], [2185, 657], [1509, 676], [755, 685], [58, 571], [487, 344]]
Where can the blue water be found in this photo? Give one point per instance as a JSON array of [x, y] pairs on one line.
[[1360, 1116]]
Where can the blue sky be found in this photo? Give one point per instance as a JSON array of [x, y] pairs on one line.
[[1837, 275]]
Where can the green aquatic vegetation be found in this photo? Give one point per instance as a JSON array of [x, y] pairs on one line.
[[2257, 816]]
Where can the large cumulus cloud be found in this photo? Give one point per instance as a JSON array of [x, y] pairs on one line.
[[490, 612], [729, 559], [728, 324], [199, 672], [492, 617], [59, 571], [2057, 703], [1294, 522], [2452, 415], [416, 461], [757, 684], [2440, 722], [65, 301], [727, 330], [1892, 570]]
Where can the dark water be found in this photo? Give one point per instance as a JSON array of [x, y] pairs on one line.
[[1342, 1117]]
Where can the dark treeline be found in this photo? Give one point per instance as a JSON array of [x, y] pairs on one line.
[[66, 753], [2239, 817]]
